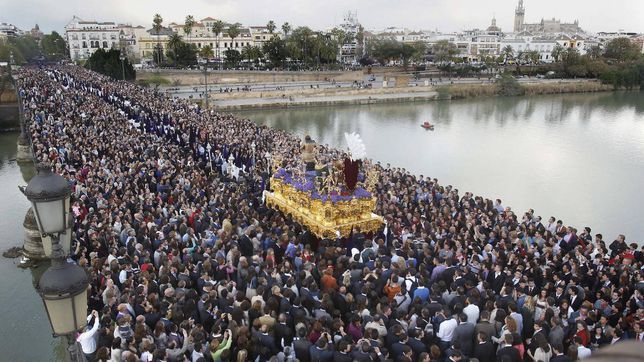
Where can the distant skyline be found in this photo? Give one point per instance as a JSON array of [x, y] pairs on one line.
[[443, 15]]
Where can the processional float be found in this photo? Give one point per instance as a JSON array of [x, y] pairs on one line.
[[332, 199]]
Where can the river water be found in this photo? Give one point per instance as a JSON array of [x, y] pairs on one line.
[[25, 334], [578, 157]]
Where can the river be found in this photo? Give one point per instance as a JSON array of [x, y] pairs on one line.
[[578, 157]]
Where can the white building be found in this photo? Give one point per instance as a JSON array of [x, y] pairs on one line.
[[129, 40], [85, 37], [9, 30]]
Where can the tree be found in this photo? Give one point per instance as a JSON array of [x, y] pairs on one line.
[[53, 47], [557, 51], [286, 28], [271, 27], [188, 25], [233, 32], [157, 20], [340, 37], [444, 51], [595, 52], [360, 40], [300, 45], [174, 42], [621, 50], [184, 54], [508, 52], [275, 51], [508, 86], [232, 57], [24, 48], [218, 28], [251, 53], [533, 57], [206, 52], [108, 62]]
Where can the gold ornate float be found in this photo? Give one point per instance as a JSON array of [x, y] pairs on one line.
[[327, 209]]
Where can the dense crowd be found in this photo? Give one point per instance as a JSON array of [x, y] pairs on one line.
[[187, 263]]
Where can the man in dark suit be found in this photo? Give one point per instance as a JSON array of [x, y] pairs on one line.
[[558, 355], [464, 333], [507, 350], [301, 345], [343, 354], [415, 341], [322, 351], [538, 329], [485, 326], [496, 279], [283, 333], [484, 349]]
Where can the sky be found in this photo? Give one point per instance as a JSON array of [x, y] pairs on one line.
[[443, 15]]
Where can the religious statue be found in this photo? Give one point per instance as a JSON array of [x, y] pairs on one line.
[[309, 152], [352, 163]]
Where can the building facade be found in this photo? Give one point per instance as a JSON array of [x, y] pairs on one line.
[[549, 26], [9, 30], [85, 37]]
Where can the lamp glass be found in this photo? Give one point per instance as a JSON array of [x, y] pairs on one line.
[[67, 314], [51, 216]]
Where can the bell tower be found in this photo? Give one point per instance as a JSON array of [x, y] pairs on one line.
[[519, 14]]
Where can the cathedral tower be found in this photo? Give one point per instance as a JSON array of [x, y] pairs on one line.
[[519, 14]]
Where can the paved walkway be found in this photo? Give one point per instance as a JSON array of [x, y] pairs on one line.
[[331, 99]]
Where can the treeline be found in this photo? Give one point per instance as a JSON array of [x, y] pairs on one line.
[[109, 62], [26, 48], [620, 64]]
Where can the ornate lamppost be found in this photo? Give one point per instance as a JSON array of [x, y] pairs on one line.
[[63, 286]]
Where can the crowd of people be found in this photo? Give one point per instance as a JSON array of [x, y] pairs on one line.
[[186, 262]]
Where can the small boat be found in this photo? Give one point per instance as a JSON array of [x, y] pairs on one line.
[[427, 125]]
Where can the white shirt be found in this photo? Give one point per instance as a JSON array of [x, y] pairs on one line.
[[472, 312], [87, 339], [583, 352], [446, 330]]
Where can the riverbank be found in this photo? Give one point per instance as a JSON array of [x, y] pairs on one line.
[[330, 96]]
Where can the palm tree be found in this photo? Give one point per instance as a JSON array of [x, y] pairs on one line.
[[557, 51], [507, 52], [157, 20], [189, 24], [174, 42], [286, 28], [233, 32], [206, 52], [271, 27], [217, 28]]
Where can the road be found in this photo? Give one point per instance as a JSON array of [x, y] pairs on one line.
[[196, 92]]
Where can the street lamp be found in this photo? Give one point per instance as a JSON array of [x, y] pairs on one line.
[[122, 57], [10, 63], [254, 147], [63, 286]]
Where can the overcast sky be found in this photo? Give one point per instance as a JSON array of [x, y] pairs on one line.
[[445, 15]]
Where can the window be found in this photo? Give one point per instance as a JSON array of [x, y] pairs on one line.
[[225, 45], [104, 44], [84, 44]]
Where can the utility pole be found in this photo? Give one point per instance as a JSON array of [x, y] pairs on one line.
[[122, 57], [205, 75]]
